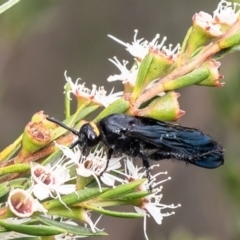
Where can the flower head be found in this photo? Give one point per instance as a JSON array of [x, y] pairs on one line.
[[126, 76], [149, 205], [50, 181], [140, 47], [22, 204], [226, 13], [93, 165], [96, 95], [208, 25]]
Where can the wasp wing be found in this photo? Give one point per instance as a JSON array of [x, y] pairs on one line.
[[169, 135], [187, 144]]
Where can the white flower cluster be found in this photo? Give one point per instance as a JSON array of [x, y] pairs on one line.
[[139, 48], [94, 165], [97, 95]]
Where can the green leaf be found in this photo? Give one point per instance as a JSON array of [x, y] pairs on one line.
[[118, 106], [121, 189], [19, 182], [222, 53], [115, 213], [67, 100], [76, 197], [10, 150], [35, 230], [16, 168], [184, 46], [134, 195], [77, 230], [4, 189], [197, 75], [142, 73]]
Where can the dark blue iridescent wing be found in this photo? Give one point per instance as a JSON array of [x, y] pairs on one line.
[[174, 141]]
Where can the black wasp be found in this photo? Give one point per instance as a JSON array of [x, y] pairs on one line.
[[148, 139]]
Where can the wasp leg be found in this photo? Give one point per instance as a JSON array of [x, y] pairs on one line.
[[109, 155], [161, 155], [74, 144], [146, 164], [83, 147]]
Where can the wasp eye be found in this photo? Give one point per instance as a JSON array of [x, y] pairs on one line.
[[91, 136]]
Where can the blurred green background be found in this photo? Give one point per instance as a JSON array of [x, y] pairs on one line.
[[41, 39]]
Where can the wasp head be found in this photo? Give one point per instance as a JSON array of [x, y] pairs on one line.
[[89, 134]]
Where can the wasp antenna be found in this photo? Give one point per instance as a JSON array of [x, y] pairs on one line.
[[51, 119]]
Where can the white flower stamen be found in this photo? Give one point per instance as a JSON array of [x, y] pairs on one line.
[[125, 75], [226, 12], [139, 47], [97, 95], [50, 181], [94, 164], [150, 205]]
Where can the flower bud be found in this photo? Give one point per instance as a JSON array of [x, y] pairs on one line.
[[153, 66], [213, 79], [165, 108]]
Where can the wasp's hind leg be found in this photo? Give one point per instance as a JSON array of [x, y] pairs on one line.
[[146, 164]]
